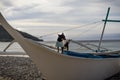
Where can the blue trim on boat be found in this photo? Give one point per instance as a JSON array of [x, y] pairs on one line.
[[89, 55]]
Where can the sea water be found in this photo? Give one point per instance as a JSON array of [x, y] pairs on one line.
[[15, 47], [110, 45]]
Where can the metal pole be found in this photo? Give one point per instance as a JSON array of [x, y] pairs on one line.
[[103, 29]]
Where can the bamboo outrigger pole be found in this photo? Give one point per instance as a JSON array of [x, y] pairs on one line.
[[105, 21], [112, 20], [103, 29]]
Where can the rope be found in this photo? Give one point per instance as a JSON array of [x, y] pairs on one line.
[[70, 29], [87, 30]]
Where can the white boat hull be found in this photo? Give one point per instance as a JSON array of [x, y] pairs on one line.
[[55, 66]]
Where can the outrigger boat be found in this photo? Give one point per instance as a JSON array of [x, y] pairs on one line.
[[67, 66]]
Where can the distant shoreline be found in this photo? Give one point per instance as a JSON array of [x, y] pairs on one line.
[[98, 40], [91, 41]]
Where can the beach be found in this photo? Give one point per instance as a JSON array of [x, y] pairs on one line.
[[18, 68]]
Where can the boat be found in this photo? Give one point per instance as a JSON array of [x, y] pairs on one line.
[[67, 66]]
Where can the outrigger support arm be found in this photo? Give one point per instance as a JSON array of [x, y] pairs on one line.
[[82, 45], [8, 46]]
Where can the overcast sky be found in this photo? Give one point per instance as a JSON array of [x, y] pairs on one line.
[[43, 17]]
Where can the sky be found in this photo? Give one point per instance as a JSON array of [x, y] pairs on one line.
[[78, 19]]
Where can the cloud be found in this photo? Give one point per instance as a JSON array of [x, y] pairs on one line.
[[70, 11], [5, 3], [58, 14]]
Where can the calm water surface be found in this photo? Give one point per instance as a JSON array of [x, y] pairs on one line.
[[113, 45]]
